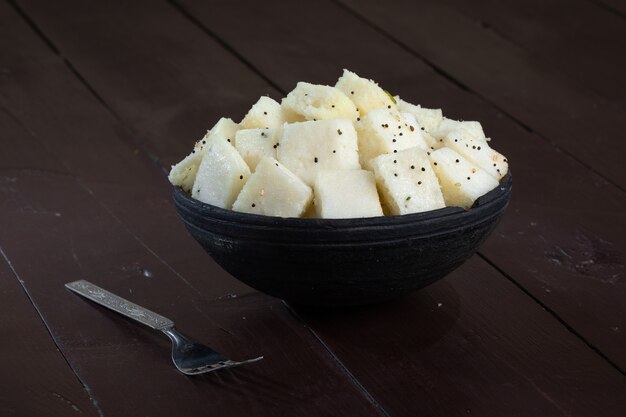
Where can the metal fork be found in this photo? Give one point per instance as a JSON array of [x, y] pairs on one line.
[[189, 357]]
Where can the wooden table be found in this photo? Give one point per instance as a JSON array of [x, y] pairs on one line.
[[98, 99]]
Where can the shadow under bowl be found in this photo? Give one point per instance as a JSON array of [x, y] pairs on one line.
[[342, 262]]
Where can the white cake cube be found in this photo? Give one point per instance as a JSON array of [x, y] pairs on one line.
[[255, 144], [319, 102], [384, 131], [428, 119], [266, 112], [407, 182], [471, 129], [462, 182], [224, 129], [346, 194], [273, 190], [307, 148], [364, 93], [183, 174], [478, 152], [221, 174]]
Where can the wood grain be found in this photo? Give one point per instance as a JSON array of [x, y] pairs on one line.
[[471, 344], [612, 6], [204, 81], [35, 377], [579, 38], [89, 142]]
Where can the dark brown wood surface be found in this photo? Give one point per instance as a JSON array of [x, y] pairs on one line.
[[574, 36], [613, 6], [31, 363], [96, 100]]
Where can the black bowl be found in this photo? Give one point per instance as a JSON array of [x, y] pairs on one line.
[[340, 262]]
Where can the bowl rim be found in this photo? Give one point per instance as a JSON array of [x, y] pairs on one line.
[[485, 203]]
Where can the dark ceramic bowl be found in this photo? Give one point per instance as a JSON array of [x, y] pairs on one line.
[[340, 262]]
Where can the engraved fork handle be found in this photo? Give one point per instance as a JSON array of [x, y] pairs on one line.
[[120, 305]]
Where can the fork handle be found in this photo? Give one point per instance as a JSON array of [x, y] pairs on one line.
[[120, 305]]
